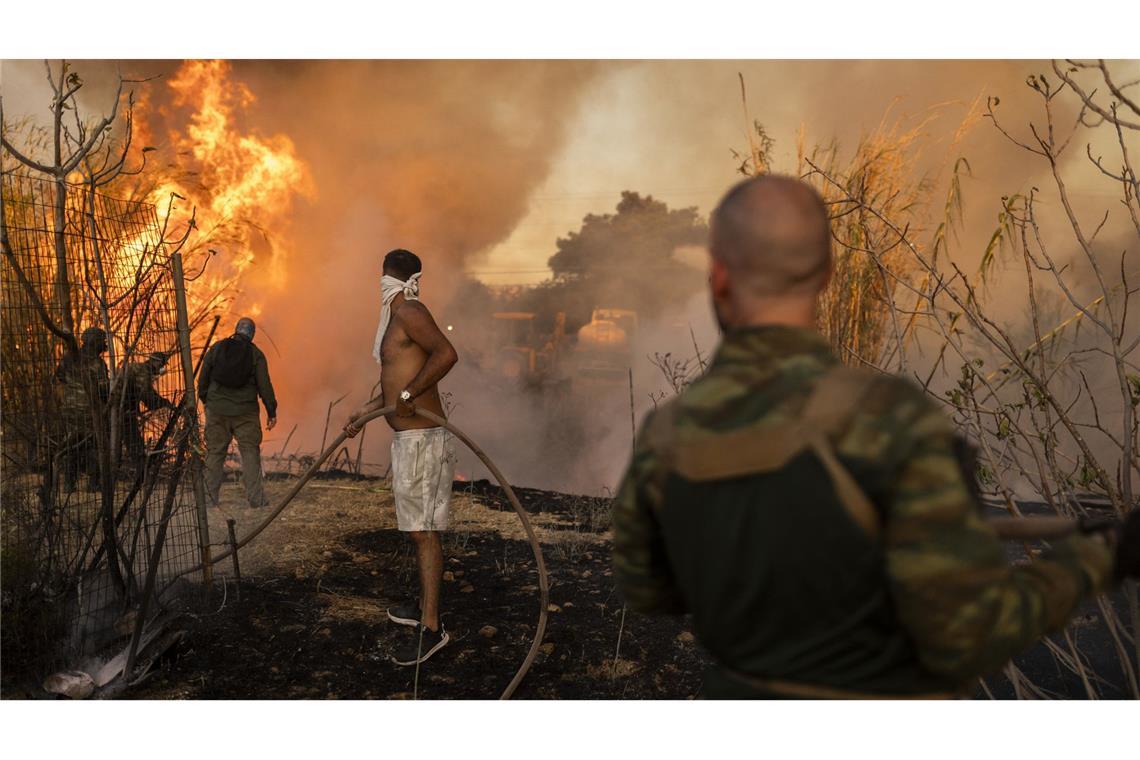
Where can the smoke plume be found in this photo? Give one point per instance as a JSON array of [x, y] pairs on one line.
[[452, 158]]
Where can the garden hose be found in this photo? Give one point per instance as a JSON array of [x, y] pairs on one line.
[[532, 538]]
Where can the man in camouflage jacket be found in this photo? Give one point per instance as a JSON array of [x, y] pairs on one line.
[[140, 380], [815, 519], [82, 385]]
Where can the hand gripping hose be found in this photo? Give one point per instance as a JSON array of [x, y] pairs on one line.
[[543, 580]]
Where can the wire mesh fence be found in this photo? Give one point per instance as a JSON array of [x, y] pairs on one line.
[[95, 453]]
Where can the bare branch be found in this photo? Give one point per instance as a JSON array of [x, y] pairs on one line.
[[1086, 98], [1117, 91]]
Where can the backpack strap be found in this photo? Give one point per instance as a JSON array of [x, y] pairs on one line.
[[701, 456], [850, 494], [836, 398], [834, 401]]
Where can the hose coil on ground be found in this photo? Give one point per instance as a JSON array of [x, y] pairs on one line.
[[532, 538]]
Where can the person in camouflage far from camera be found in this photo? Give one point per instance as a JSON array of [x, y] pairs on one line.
[[815, 519], [82, 388], [140, 391]]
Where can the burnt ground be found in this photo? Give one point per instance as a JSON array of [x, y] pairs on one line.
[[311, 619]]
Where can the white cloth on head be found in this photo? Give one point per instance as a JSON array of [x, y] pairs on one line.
[[390, 287]]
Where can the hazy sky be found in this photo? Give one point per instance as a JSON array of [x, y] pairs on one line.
[[480, 166], [667, 128]]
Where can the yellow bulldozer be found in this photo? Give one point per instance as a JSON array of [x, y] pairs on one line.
[[521, 354], [604, 351]]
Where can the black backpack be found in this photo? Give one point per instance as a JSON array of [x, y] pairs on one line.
[[233, 365]]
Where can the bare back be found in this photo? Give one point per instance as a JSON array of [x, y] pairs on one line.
[[401, 359]]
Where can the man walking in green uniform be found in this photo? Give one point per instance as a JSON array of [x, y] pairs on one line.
[[234, 374], [815, 519]]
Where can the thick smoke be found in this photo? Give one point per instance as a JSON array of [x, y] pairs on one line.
[[447, 158], [436, 157], [671, 125]]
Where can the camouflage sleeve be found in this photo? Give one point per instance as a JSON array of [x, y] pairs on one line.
[[641, 568], [264, 386], [967, 609], [144, 388]]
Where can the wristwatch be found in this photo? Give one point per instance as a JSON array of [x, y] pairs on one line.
[[405, 396]]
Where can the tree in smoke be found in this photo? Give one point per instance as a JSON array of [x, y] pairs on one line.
[[627, 259], [643, 233]]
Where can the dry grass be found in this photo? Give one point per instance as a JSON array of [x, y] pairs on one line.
[[308, 535], [610, 669], [862, 311]]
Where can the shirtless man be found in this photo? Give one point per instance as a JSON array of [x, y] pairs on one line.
[[414, 355]]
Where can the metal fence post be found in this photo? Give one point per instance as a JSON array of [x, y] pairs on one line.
[[190, 408]]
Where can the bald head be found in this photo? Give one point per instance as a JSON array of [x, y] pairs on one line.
[[771, 234], [246, 327]]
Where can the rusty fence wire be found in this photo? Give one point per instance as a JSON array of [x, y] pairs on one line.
[[93, 446]]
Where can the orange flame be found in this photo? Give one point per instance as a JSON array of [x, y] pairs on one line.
[[243, 186]]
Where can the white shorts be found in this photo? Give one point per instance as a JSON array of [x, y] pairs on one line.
[[423, 463]]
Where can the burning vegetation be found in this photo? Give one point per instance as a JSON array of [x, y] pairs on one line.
[[1038, 370]]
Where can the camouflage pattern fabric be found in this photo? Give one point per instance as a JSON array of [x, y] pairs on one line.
[[961, 609], [139, 378], [78, 374]]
